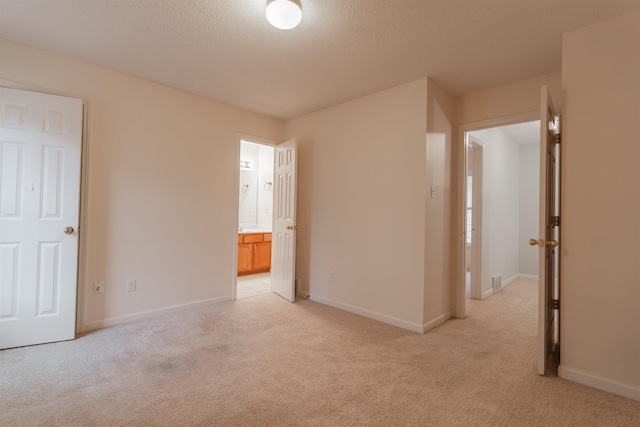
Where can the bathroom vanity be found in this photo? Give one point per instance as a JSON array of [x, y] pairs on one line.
[[254, 252]]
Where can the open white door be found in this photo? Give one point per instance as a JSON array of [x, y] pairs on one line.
[[548, 267], [283, 263], [40, 138], [476, 221]]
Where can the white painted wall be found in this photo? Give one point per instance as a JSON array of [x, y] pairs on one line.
[[248, 189], [256, 199], [528, 208], [500, 207], [161, 192], [265, 186], [601, 206]]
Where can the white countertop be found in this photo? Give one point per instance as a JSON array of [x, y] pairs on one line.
[[254, 230]]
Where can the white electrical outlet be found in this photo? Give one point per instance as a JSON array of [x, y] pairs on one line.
[[98, 287], [131, 285]]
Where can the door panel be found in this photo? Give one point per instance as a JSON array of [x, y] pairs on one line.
[[262, 256], [548, 259], [41, 139], [284, 220], [244, 257]]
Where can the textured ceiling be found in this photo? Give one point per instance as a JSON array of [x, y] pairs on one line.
[[343, 49]]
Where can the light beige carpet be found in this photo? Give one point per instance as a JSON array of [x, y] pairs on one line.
[[262, 361]]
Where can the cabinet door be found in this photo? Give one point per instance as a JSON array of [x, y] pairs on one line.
[[245, 253], [262, 256]]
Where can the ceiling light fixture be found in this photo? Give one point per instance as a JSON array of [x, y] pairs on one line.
[[284, 14]]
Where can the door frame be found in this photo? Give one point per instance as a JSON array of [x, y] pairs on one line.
[[83, 208], [236, 204], [475, 260], [461, 178]]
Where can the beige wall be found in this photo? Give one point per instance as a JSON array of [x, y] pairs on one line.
[[361, 204], [162, 166], [365, 208], [600, 297], [515, 98]]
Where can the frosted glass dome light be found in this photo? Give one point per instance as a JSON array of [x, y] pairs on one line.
[[284, 14]]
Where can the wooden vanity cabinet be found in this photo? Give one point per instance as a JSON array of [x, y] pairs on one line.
[[254, 253]]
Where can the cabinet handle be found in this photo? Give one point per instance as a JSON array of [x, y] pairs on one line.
[[254, 248]]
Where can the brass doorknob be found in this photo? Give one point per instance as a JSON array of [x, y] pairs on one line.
[[68, 230], [534, 242], [542, 243], [292, 227]]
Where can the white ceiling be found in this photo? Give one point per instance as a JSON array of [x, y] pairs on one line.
[[226, 50]]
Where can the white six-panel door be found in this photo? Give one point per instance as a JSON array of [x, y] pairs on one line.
[[283, 262], [40, 153]]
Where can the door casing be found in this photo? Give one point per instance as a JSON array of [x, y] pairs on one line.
[[236, 206], [460, 303], [476, 241]]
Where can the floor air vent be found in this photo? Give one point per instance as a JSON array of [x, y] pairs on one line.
[[497, 282]]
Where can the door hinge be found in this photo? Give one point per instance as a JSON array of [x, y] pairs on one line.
[[558, 138], [555, 221], [555, 304]]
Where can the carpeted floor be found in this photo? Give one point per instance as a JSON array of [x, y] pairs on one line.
[[262, 361]]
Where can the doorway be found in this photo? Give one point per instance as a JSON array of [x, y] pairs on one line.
[[269, 242], [500, 198], [255, 218]]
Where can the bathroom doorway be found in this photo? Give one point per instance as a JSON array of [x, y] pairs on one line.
[[502, 200], [255, 219]]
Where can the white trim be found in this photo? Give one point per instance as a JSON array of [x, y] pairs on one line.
[[486, 294], [436, 322], [601, 383], [510, 280], [31, 88], [303, 293], [82, 229], [460, 174], [414, 327], [236, 206], [152, 313]]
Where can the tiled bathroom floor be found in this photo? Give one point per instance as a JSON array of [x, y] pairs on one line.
[[254, 284]]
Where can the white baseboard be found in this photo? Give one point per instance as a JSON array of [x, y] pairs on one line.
[[606, 384], [150, 313], [414, 327], [436, 322], [486, 294], [509, 280], [302, 293]]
